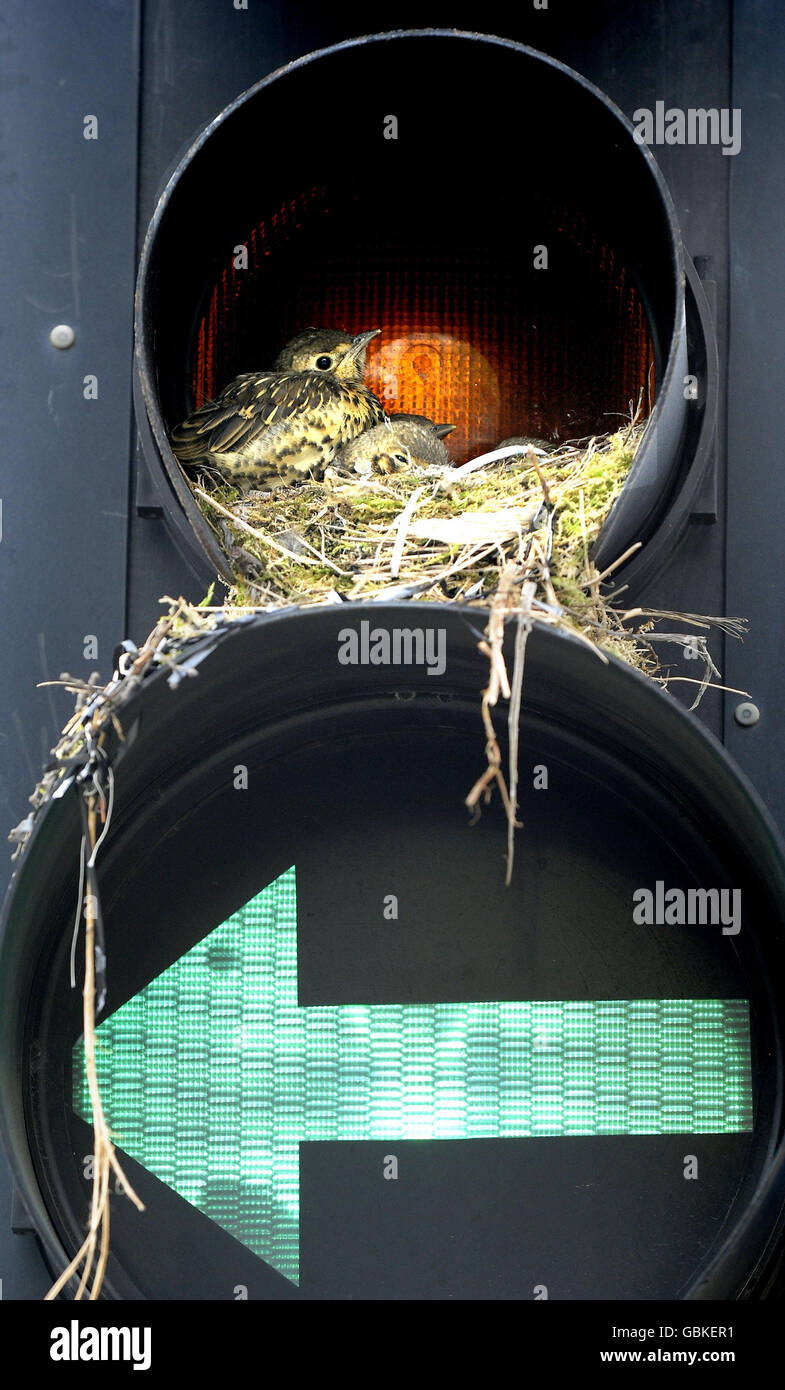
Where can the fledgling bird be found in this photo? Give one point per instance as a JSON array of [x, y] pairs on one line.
[[268, 429], [404, 441], [441, 430]]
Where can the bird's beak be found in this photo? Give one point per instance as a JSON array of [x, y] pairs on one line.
[[442, 430], [360, 343]]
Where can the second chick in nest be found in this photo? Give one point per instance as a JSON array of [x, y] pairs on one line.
[[408, 442]]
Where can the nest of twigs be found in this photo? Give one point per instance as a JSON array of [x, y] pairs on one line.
[[474, 534], [443, 535], [511, 531]]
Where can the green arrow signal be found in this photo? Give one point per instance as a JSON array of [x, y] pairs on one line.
[[212, 1076]]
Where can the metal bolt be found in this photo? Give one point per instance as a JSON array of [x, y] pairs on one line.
[[62, 336], [746, 714]]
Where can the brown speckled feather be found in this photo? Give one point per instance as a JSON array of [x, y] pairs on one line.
[[275, 425]]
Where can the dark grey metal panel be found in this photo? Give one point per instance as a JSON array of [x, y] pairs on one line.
[[68, 241], [67, 222], [68, 218], [756, 396], [22, 1269]]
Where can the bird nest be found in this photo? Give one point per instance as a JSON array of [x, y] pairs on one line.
[[518, 521], [444, 537], [511, 531]]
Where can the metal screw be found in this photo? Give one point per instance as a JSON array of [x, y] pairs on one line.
[[746, 714], [62, 335]]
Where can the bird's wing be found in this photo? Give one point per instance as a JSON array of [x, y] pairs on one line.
[[249, 406]]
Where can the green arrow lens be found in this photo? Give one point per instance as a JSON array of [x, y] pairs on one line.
[[213, 1075]]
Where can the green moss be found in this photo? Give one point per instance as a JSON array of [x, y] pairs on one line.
[[352, 525]]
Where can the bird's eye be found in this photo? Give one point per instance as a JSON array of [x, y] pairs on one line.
[[324, 363], [401, 458]]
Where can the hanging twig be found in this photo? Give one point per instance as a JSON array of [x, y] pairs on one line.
[[523, 628], [104, 1154], [497, 685]]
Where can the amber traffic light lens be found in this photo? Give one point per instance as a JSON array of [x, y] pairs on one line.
[[543, 334]]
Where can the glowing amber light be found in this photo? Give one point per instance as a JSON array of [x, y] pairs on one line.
[[438, 375], [468, 335]]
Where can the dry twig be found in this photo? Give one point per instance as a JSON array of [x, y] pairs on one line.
[[105, 1158]]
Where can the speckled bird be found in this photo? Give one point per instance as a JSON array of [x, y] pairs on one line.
[[268, 429], [402, 442], [441, 431]]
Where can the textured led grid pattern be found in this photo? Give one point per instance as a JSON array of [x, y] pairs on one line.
[[467, 337], [212, 1075]]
